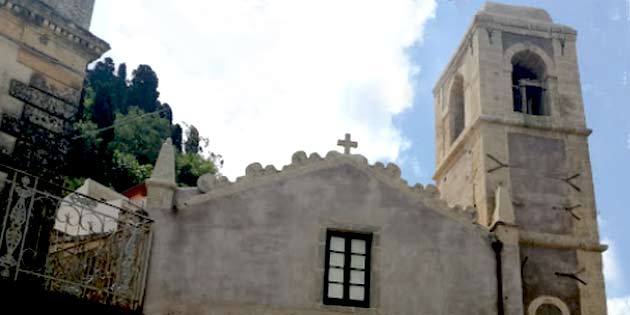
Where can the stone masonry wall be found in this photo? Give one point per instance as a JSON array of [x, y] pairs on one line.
[[261, 250], [42, 69], [79, 11]]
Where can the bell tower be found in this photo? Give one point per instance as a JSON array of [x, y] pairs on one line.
[[509, 114]]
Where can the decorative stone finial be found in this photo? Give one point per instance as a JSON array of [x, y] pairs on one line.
[[161, 186], [164, 169], [347, 144]]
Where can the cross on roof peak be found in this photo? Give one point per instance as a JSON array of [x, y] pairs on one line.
[[347, 144]]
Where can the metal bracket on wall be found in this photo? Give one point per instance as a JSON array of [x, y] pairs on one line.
[[568, 180], [523, 271], [500, 164], [573, 276], [489, 30], [569, 209]]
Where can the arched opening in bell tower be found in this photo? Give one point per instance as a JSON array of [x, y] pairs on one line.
[[456, 102], [529, 84]]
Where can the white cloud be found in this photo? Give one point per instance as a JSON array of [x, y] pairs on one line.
[[612, 269], [619, 306], [265, 78]]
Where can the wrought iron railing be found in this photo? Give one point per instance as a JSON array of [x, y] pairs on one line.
[[72, 243]]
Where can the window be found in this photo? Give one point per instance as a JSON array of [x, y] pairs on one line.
[[547, 305], [548, 309], [528, 86], [347, 274], [457, 107]]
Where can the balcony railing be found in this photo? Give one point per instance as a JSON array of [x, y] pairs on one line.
[[71, 243]]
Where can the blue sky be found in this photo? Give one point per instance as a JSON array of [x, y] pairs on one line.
[[265, 78]]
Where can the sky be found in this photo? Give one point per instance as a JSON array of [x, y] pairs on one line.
[[263, 79]]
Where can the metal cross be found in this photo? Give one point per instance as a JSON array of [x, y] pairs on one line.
[[347, 144]]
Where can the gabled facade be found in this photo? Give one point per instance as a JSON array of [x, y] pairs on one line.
[[323, 236], [336, 235]]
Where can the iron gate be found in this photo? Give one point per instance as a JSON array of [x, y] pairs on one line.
[[71, 243]]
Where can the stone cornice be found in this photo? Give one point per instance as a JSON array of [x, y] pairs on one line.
[[489, 20], [528, 238], [42, 15], [489, 119], [213, 187]]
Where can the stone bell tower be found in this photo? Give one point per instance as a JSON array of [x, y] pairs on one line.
[[509, 113]]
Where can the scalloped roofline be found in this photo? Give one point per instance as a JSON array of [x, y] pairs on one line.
[[213, 187]]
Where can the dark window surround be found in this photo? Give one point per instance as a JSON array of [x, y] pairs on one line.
[[348, 237]]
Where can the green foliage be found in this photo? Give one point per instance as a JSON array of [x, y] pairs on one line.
[[85, 156], [121, 128], [72, 183], [143, 91], [177, 137], [190, 166], [192, 141], [128, 171], [140, 134]]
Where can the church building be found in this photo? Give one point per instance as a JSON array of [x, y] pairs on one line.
[[509, 228]]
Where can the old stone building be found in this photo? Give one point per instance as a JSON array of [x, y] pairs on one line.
[[510, 227], [45, 48], [337, 235]]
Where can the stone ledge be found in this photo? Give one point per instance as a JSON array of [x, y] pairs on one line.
[[490, 119], [537, 239], [44, 16]]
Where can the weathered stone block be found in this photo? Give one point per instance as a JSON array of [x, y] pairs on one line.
[[42, 101], [43, 119], [11, 106], [49, 68], [7, 143]]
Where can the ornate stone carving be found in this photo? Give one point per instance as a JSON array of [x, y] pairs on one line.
[[39, 117], [42, 100], [68, 95]]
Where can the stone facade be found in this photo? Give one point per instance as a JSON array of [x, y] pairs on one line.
[[541, 158], [511, 148], [45, 55], [258, 244]]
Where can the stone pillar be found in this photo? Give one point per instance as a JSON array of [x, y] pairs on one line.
[[506, 231], [161, 187]]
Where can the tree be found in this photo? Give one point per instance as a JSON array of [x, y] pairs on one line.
[[177, 137], [192, 141], [166, 112], [190, 166], [119, 89], [122, 126], [102, 109], [85, 158], [143, 90], [140, 134], [102, 74], [127, 171]]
